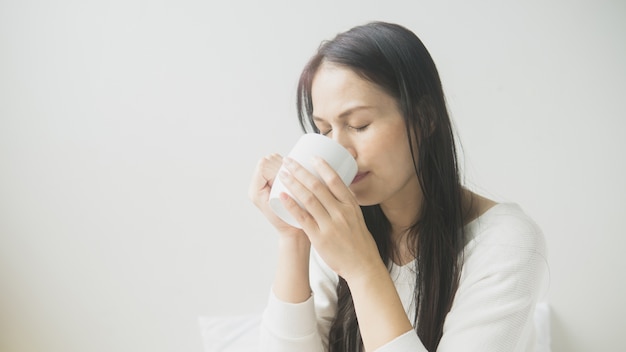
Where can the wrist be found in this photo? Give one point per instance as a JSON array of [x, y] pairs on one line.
[[294, 242], [374, 271], [291, 283]]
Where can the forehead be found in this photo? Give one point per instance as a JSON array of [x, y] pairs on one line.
[[336, 89]]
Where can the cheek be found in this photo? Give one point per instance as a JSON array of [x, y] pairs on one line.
[[396, 145], [399, 160], [391, 154], [386, 144]]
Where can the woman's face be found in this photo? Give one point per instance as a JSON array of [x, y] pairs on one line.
[[367, 121]]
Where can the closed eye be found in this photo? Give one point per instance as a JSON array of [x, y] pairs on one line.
[[326, 133], [360, 129]]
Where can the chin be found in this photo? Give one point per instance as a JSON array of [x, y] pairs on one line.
[[365, 201]]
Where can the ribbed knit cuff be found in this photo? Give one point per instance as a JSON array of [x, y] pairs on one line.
[[407, 342], [290, 320]]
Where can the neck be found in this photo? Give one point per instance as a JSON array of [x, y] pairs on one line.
[[402, 212], [404, 208]]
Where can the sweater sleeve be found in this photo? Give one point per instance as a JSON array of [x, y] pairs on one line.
[[287, 327], [302, 327]]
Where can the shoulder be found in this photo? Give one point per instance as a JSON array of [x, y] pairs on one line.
[[505, 225], [504, 274], [505, 251], [504, 239]]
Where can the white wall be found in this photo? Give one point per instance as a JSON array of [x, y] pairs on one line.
[[129, 131]]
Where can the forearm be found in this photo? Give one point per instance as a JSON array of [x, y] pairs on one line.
[[378, 308], [290, 320], [291, 283]]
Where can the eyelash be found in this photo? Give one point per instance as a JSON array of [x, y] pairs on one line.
[[356, 129]]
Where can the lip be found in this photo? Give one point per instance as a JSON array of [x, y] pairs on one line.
[[359, 176]]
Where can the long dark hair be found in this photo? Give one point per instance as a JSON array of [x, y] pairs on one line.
[[395, 59]]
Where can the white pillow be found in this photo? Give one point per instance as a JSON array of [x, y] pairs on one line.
[[542, 326], [230, 333]]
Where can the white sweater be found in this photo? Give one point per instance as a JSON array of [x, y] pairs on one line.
[[504, 274]]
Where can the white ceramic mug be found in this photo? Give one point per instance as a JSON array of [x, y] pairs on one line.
[[308, 146]]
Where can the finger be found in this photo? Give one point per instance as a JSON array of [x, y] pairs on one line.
[[271, 167], [303, 217], [333, 181], [312, 183], [264, 174], [308, 198]]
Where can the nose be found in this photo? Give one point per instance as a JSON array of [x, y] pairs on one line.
[[345, 141]]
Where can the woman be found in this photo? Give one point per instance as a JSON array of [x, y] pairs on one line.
[[405, 258]]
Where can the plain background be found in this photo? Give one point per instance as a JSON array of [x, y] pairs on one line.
[[129, 131]]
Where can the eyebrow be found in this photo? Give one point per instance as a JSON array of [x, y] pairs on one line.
[[347, 112]]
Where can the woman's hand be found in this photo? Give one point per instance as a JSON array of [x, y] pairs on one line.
[[259, 192], [291, 283], [333, 222], [332, 219]]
